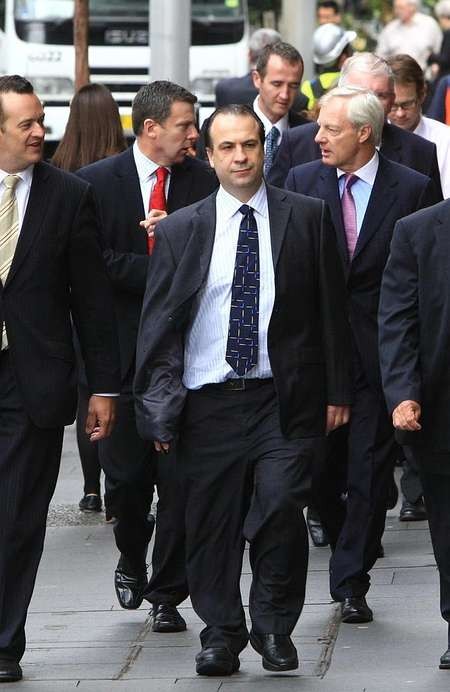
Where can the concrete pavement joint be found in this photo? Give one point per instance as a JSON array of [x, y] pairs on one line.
[[329, 641], [135, 649]]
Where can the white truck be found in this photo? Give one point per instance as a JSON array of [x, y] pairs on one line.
[[36, 41]]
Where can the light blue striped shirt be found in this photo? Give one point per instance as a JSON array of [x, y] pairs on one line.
[[206, 340], [362, 189]]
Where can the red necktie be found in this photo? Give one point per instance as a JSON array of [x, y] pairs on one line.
[[157, 199]]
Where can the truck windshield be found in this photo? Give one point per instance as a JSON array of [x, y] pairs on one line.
[[124, 22]]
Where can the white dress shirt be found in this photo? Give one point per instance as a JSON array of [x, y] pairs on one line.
[[281, 125], [362, 189], [146, 169], [206, 340], [439, 133]]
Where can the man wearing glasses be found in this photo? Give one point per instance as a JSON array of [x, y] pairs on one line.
[[406, 112]]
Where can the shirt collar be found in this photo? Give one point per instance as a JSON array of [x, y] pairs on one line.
[[230, 205], [144, 165], [281, 124], [368, 172], [26, 175]]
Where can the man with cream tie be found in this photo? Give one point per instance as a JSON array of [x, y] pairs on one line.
[[366, 194], [134, 190]]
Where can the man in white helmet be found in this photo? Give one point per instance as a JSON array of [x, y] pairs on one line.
[[331, 47]]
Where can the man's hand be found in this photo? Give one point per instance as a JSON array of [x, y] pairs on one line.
[[337, 416], [152, 219], [162, 446], [407, 415], [100, 417]]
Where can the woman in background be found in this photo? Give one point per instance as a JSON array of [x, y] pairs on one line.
[[94, 131]]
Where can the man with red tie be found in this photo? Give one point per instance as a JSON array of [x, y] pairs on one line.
[[134, 190]]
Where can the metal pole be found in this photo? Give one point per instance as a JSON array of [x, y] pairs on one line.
[[170, 39], [298, 22]]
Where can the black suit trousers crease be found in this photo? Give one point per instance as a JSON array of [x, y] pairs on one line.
[[243, 481], [29, 465], [132, 468]]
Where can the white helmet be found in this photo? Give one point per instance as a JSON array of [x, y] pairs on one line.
[[329, 40]]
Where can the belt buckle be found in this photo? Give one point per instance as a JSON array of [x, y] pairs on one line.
[[236, 384]]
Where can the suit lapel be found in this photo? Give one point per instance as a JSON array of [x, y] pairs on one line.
[[33, 219], [381, 199], [279, 213], [130, 192], [180, 180], [328, 190]]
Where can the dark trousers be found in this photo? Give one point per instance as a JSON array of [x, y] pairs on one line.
[[88, 451], [434, 469], [29, 464], [243, 481], [371, 456], [131, 468], [410, 481]]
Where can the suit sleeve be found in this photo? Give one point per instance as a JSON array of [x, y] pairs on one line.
[[158, 388], [435, 176], [92, 300], [290, 183], [398, 322], [430, 195], [336, 329]]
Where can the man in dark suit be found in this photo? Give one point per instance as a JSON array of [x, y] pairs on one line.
[[277, 77], [414, 326], [369, 72], [249, 400], [366, 194], [242, 89], [51, 271], [134, 190]]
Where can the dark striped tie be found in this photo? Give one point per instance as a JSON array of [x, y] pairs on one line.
[[242, 343]]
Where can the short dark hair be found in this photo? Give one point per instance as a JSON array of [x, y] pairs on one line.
[[16, 84], [329, 4], [284, 50], [406, 70], [154, 100], [234, 109]]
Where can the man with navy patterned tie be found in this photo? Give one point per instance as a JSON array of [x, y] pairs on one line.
[[242, 355]]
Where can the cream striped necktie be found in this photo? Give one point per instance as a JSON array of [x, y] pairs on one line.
[[9, 233]]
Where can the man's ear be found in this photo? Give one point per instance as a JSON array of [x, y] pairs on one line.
[[209, 153], [256, 79], [149, 126], [365, 133]]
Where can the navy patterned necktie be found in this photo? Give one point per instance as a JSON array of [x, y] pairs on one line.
[[270, 148], [242, 343]]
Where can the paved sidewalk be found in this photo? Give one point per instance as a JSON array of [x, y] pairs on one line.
[[79, 638]]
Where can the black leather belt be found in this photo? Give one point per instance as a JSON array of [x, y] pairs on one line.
[[239, 384]]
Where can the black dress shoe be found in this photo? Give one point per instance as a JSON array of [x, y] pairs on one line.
[[316, 531], [445, 661], [10, 671], [356, 610], [413, 511], [129, 584], [166, 618], [277, 651], [90, 503], [214, 660]]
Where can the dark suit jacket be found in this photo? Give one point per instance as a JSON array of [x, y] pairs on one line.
[[414, 322], [118, 193], [397, 191], [236, 90], [308, 331], [57, 273], [298, 146]]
